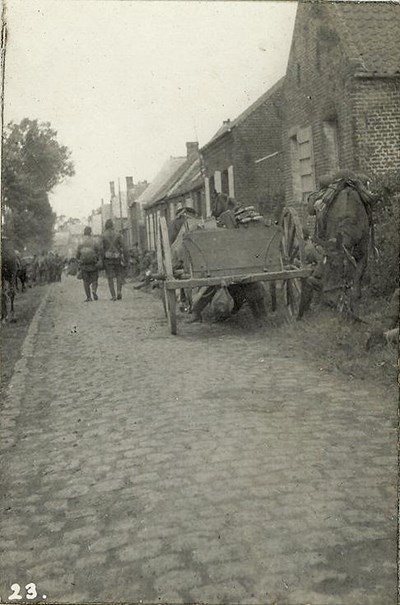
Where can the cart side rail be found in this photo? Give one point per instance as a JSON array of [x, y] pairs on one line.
[[227, 280]]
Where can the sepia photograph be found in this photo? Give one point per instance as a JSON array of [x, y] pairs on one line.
[[200, 238]]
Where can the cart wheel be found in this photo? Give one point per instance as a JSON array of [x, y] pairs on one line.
[[170, 302], [166, 266], [161, 269], [292, 251]]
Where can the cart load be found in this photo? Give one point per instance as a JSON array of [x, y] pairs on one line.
[[214, 256]]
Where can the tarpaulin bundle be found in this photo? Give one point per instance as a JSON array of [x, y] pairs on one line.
[[320, 201], [247, 214]]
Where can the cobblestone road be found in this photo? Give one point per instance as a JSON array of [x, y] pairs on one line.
[[206, 467]]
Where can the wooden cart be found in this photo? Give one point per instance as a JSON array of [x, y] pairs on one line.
[[216, 257]]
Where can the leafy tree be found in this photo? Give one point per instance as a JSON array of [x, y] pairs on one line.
[[33, 164]]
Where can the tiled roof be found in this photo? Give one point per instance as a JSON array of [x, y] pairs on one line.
[[152, 193], [229, 124], [170, 183], [190, 179], [370, 32]]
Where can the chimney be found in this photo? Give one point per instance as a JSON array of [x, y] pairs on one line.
[[192, 151], [227, 123], [129, 182], [112, 188]]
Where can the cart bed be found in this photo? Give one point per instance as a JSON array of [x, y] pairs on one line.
[[226, 252]]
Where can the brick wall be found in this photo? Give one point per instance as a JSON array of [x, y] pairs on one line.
[[376, 107], [219, 155], [317, 90], [322, 92], [257, 136]]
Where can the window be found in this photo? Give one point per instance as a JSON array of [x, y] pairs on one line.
[[208, 200], [231, 182], [197, 203], [302, 164], [330, 130], [218, 181], [225, 182], [294, 163]]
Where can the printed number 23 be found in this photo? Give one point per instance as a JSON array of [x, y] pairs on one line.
[[30, 592]]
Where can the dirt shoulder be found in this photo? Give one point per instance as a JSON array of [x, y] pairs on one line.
[[13, 334], [338, 344]]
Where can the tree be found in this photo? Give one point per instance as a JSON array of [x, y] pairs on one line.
[[33, 164]]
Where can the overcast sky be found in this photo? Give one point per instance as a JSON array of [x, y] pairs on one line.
[[127, 83]]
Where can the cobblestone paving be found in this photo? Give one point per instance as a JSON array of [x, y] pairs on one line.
[[211, 466]]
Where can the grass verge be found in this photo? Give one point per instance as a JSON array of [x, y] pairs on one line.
[[13, 334], [339, 344]]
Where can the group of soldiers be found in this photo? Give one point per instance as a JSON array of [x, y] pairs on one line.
[[140, 262], [43, 268]]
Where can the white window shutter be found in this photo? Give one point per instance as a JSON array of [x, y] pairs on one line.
[[208, 201], [231, 182], [218, 181]]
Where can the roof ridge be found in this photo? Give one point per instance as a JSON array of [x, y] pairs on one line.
[[259, 101], [170, 182], [229, 124]]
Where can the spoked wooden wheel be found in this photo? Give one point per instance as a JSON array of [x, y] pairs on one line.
[[165, 268], [292, 251]]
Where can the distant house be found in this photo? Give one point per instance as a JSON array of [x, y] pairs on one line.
[[341, 92], [136, 227], [68, 237], [244, 158], [119, 210], [178, 180], [61, 244]]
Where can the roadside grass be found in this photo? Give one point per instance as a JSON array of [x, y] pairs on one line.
[[339, 344], [12, 335]]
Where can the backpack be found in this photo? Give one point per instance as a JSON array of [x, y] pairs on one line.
[[88, 255], [112, 245]]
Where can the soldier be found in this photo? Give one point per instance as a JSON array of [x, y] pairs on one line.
[[88, 254], [115, 258]]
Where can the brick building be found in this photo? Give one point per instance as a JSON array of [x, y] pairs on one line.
[[188, 190], [136, 232], [341, 92], [244, 158]]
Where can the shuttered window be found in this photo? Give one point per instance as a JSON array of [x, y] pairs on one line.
[[330, 129], [306, 168], [302, 164], [208, 202], [218, 181], [231, 182]]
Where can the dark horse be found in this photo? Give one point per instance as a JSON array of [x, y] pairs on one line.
[[343, 232], [9, 268]]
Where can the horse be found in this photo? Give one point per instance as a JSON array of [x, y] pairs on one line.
[[9, 268], [343, 228]]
